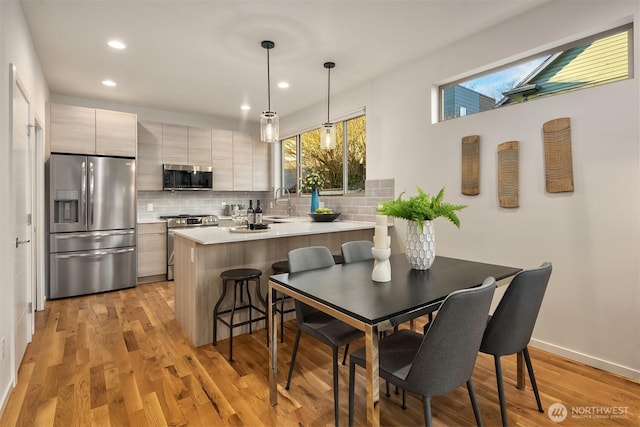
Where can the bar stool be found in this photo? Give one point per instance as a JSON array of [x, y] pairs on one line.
[[278, 268], [238, 278]]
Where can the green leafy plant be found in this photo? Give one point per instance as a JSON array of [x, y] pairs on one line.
[[421, 207], [313, 179]]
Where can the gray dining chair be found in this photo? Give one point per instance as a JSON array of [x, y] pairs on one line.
[[440, 360], [323, 327], [510, 327], [358, 250]]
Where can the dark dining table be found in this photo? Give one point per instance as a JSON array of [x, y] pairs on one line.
[[347, 292]]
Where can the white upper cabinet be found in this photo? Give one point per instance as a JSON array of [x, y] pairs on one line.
[[200, 147], [84, 130], [222, 159], [242, 161], [175, 144]]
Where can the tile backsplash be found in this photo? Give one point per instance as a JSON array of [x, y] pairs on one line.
[[356, 207]]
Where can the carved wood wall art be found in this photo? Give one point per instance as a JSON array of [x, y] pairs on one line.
[[508, 174], [558, 164], [471, 165]]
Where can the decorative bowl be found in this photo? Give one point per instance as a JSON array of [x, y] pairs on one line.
[[324, 217]]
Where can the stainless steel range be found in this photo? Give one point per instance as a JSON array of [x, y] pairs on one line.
[[181, 221]]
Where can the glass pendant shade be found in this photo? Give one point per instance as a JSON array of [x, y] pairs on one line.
[[269, 127], [328, 136]]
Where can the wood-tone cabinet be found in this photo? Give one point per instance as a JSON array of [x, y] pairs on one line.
[[175, 144], [84, 130], [152, 252], [200, 147], [116, 133], [72, 129], [149, 162], [222, 159], [261, 176], [242, 161]]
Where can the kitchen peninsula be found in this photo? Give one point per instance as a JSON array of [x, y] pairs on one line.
[[201, 254]]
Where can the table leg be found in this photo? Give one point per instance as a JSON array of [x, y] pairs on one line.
[[520, 370], [273, 350], [372, 376]]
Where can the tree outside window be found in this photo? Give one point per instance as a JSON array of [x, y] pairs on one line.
[[304, 149]]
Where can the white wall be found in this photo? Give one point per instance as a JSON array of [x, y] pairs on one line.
[[591, 311], [16, 48]]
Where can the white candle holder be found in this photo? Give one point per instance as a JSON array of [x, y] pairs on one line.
[[381, 265]]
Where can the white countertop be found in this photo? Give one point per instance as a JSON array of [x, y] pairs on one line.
[[215, 235]]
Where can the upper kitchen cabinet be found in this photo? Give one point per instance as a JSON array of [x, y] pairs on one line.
[[72, 129], [242, 161], [261, 176], [200, 147], [175, 144], [222, 159], [149, 164], [116, 133], [84, 130]]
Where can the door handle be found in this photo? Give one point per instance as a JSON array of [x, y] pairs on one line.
[[21, 242]]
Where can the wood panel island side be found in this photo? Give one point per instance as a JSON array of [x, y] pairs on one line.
[[202, 253]]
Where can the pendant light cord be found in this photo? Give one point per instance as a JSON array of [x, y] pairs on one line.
[[268, 82], [328, 92]]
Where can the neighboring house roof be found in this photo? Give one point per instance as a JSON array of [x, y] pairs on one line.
[[594, 63]]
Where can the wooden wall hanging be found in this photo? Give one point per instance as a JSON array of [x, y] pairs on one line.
[[557, 155], [508, 174], [471, 165]]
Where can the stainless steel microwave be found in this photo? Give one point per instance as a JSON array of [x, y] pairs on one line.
[[187, 177]]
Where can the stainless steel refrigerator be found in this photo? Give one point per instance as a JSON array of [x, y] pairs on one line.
[[92, 220]]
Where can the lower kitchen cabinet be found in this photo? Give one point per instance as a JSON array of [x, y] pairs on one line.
[[152, 252]]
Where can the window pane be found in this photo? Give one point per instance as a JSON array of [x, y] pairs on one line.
[[290, 164], [328, 163], [357, 152], [601, 59]]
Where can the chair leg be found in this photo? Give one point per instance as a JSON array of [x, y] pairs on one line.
[[336, 403], [503, 406], [404, 398], [344, 358], [426, 402], [474, 403], [352, 386], [293, 358], [532, 377]]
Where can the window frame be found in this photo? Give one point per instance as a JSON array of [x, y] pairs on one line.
[[345, 156]]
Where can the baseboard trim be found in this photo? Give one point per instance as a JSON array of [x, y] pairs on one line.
[[4, 399], [605, 365]]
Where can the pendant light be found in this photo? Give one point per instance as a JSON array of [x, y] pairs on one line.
[[328, 130], [269, 129]]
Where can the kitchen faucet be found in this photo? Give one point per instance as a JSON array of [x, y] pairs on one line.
[[288, 200]]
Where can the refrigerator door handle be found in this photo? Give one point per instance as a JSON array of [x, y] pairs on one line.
[[82, 215], [94, 254], [91, 188], [96, 235]]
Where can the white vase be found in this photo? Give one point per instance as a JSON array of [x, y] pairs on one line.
[[421, 245]]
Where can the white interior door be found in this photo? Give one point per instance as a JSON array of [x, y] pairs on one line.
[[22, 197]]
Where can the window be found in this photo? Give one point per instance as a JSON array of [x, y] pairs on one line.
[[344, 168], [597, 60]]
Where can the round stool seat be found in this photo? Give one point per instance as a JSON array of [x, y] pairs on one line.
[[280, 267], [241, 274]]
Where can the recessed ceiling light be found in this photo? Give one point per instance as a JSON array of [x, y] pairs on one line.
[[245, 107], [116, 44], [108, 83], [283, 85]]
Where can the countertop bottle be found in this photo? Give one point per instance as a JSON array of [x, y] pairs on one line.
[[250, 216]]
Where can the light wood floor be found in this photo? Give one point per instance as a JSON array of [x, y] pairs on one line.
[[120, 359]]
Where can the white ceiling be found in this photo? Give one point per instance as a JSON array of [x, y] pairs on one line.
[[204, 57]]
